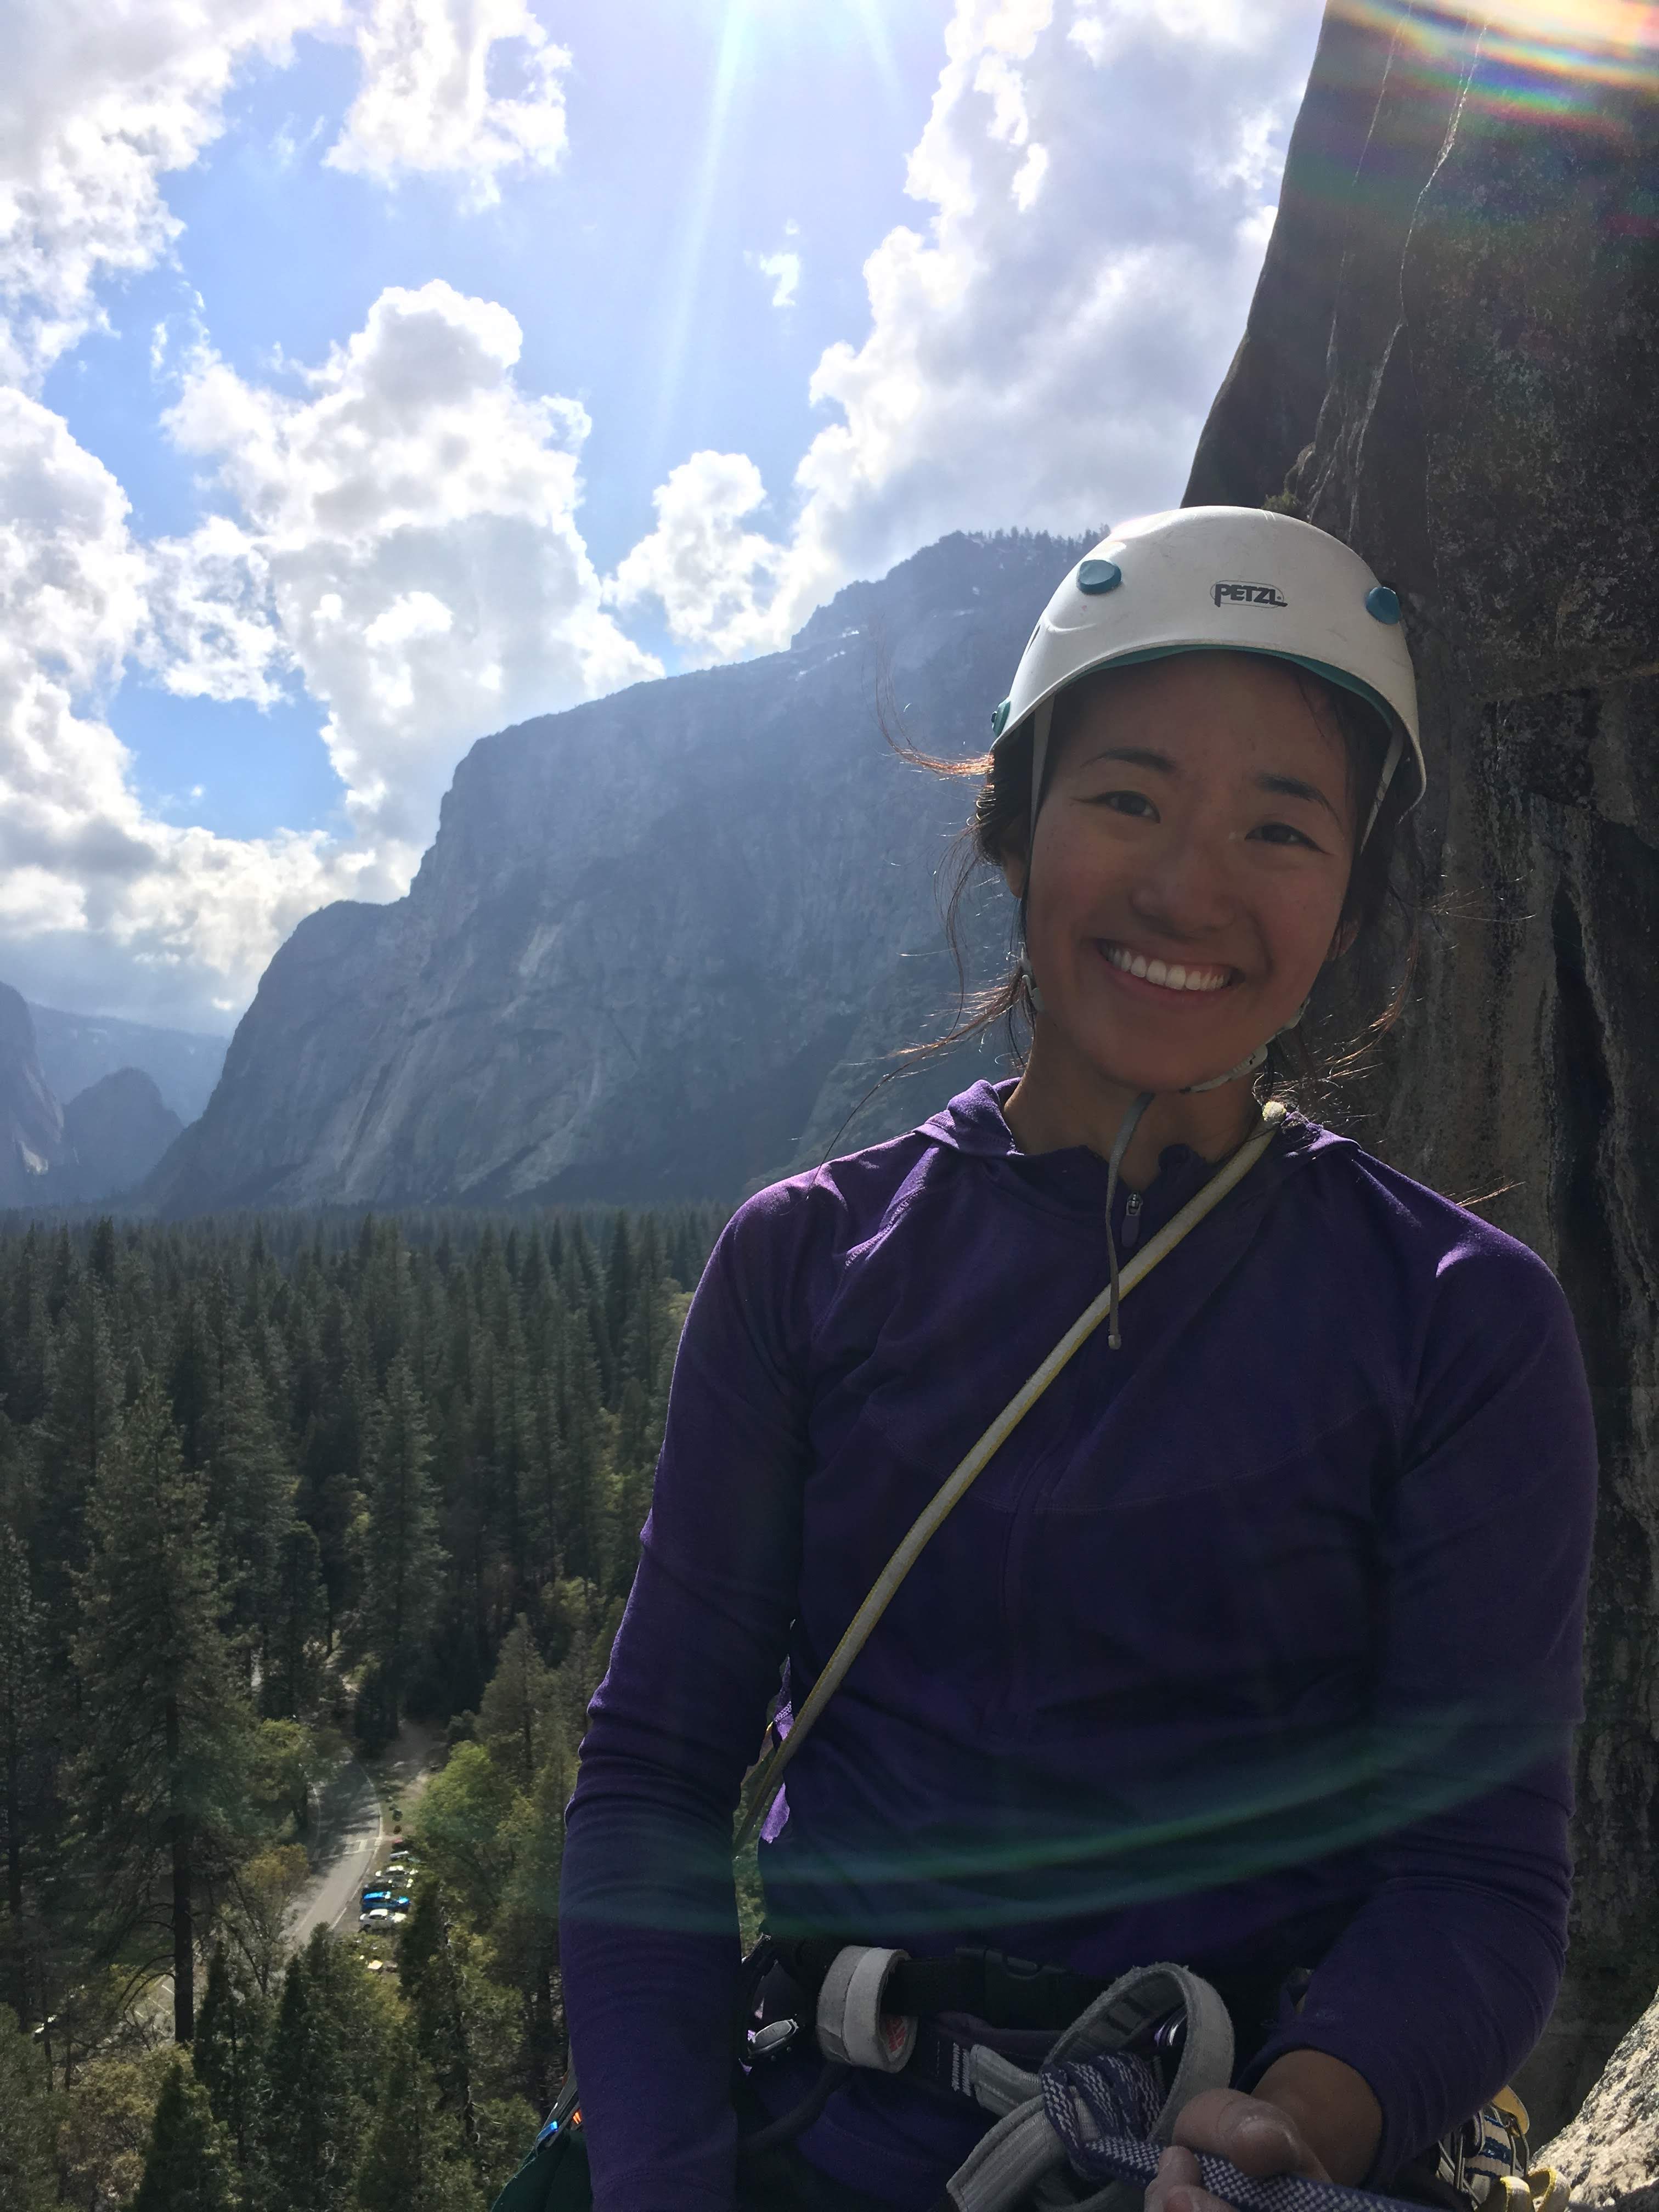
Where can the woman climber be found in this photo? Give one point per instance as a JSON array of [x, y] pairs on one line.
[[1255, 1645]]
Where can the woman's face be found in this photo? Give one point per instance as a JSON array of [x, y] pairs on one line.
[[1192, 856]]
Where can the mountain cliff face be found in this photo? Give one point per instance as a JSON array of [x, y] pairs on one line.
[[1450, 364], [116, 1129], [31, 1140], [661, 942]]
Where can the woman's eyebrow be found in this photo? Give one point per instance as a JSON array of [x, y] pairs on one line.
[[1136, 756], [1292, 787]]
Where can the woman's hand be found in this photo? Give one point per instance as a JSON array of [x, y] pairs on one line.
[[1310, 2115], [1258, 2137]]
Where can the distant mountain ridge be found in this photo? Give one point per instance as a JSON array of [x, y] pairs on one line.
[[100, 1144], [662, 943], [77, 1050]]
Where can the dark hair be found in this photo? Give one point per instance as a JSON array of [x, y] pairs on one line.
[[1380, 905]]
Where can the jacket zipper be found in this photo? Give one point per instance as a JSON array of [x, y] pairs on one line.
[[1131, 1235]]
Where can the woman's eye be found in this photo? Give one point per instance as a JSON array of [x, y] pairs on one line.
[[1284, 833], [1126, 802]]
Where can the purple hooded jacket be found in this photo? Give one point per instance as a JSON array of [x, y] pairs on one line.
[[1256, 1647]]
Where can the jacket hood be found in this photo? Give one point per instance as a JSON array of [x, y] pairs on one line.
[[973, 1125]]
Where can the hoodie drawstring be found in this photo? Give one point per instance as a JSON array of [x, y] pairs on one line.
[[1126, 1128]]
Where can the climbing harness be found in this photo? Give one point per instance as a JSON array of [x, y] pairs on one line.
[[957, 1484], [1094, 2114]]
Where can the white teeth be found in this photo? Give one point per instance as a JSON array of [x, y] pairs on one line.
[[1172, 976]]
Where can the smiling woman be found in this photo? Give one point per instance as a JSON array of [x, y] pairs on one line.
[[1206, 736], [1246, 1635], [1264, 765]]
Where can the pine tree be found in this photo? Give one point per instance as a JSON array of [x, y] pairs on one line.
[[28, 2179], [161, 1777], [516, 1714], [308, 2116], [80, 1425], [224, 2054], [527, 1929], [415, 2160], [22, 1702], [426, 1965], [101, 1253], [251, 1499], [294, 1659], [192, 1386], [583, 1504], [187, 2169], [620, 1272], [401, 1556]]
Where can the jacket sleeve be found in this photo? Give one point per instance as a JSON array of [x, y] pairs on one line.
[[649, 1933], [1443, 1982]]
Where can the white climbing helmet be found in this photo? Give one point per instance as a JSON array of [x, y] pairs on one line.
[[1233, 579]]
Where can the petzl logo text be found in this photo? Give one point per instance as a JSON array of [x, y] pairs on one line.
[[1250, 595]]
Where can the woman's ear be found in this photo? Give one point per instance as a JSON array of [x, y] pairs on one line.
[[1012, 860], [1343, 940]]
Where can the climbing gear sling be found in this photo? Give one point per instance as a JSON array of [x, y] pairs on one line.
[[957, 1484]]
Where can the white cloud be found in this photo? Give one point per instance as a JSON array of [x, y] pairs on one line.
[[138, 913], [1100, 176], [783, 269], [716, 580], [468, 88], [210, 634], [98, 100], [101, 100], [400, 536], [410, 519]]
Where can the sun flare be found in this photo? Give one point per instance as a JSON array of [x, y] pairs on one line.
[[1545, 48]]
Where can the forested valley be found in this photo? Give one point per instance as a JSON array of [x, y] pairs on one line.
[[269, 1488]]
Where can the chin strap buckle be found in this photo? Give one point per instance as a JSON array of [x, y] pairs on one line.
[[853, 2029]]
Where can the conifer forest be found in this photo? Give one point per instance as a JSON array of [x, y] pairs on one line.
[[272, 1492]]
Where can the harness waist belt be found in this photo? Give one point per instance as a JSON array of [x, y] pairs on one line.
[[1002, 1991]]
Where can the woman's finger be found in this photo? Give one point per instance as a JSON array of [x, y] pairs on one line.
[[1177, 2187], [1255, 2135]]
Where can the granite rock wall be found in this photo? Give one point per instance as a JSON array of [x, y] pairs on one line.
[[1452, 362]]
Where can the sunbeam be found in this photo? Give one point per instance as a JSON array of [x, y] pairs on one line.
[[734, 44]]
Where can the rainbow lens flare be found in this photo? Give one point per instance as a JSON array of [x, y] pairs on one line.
[[1548, 58]]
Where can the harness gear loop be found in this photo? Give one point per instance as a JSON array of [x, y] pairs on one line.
[[957, 1484], [855, 2027]]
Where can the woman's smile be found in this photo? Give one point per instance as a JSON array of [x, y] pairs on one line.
[[1164, 980]]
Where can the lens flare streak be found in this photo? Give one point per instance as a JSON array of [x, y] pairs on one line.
[[1542, 56]]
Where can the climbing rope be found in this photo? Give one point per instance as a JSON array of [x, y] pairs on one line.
[[1104, 2108]]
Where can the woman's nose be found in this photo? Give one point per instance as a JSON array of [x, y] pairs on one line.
[[1185, 889]]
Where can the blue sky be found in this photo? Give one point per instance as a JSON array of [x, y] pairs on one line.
[[379, 372]]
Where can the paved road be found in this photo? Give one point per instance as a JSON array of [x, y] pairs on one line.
[[348, 1836]]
